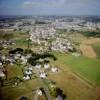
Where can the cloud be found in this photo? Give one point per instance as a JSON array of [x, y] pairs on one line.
[[27, 3], [56, 3], [44, 3]]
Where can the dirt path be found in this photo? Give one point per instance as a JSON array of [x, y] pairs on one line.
[[45, 87], [82, 80]]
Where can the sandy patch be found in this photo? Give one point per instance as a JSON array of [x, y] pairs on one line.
[[87, 51]]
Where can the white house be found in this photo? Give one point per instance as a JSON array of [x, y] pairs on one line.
[[28, 56], [0, 63], [42, 75], [28, 72], [70, 47], [47, 65], [16, 57], [24, 60], [1, 73], [3, 57], [5, 46], [39, 92], [54, 69], [26, 77], [30, 68], [59, 97], [38, 66]]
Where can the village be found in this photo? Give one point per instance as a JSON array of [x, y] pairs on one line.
[[43, 60], [32, 65], [46, 35]]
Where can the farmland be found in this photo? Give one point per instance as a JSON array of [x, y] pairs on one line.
[[86, 67]]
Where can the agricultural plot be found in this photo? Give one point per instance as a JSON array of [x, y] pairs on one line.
[[93, 44], [87, 51], [87, 68]]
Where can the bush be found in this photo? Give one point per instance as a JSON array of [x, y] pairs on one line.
[[17, 50], [91, 33]]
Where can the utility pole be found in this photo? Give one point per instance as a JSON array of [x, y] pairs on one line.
[[28, 40]]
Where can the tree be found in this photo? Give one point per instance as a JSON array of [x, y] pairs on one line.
[[17, 50], [35, 58]]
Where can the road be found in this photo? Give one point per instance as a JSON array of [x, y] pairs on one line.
[[44, 86]]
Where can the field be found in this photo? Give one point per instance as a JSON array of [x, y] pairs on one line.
[[96, 48], [79, 77], [14, 93], [94, 44], [85, 67], [73, 87], [91, 41], [87, 51]]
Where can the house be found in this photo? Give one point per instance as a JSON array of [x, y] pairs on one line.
[[76, 54], [43, 75], [10, 60], [3, 57], [23, 59], [28, 56], [1, 73], [30, 68], [59, 97], [38, 66], [28, 72], [5, 46], [16, 57], [39, 92], [26, 77], [47, 65], [0, 63], [54, 69]]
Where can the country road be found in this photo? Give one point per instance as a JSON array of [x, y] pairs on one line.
[[44, 86]]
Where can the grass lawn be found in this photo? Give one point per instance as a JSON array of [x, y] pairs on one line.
[[86, 67], [21, 43], [14, 71], [24, 89], [96, 47]]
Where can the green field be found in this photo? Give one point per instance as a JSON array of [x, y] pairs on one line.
[[85, 67], [20, 38], [22, 43]]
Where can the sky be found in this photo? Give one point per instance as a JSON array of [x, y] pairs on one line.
[[49, 7]]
